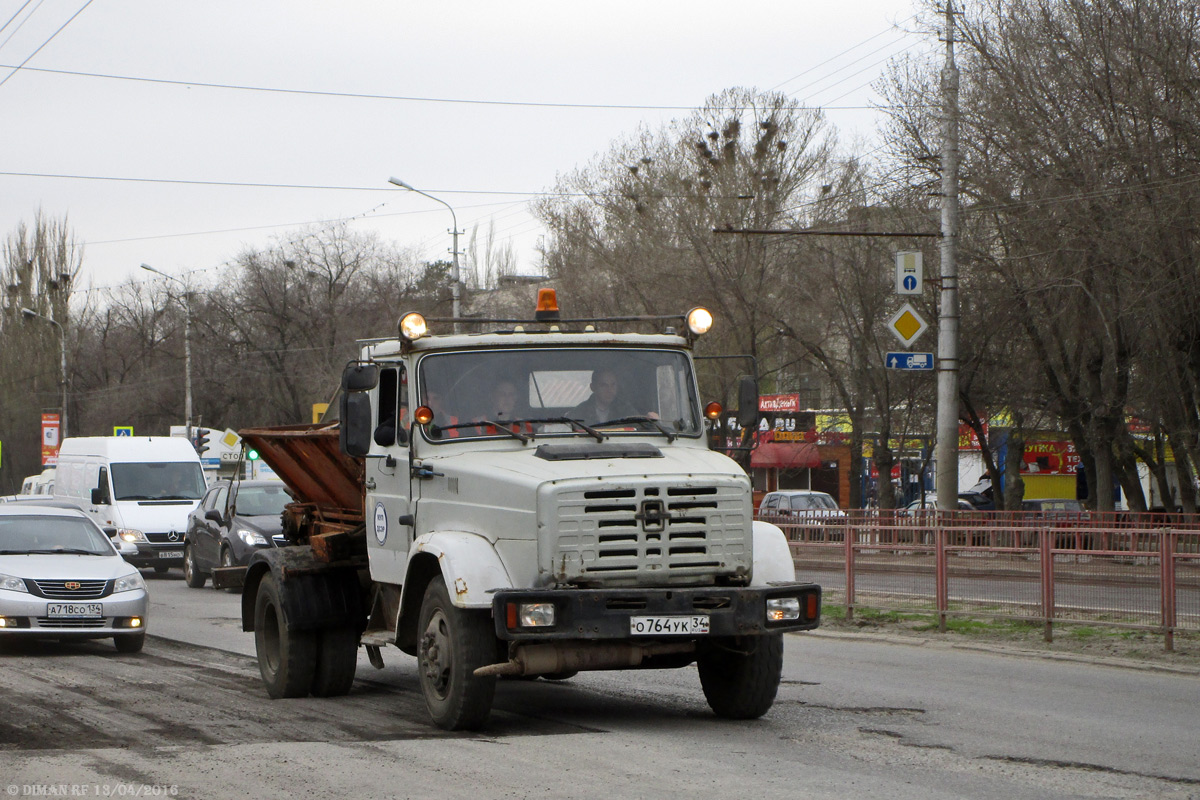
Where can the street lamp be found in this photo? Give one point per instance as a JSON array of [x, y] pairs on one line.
[[62, 340], [454, 274], [187, 345]]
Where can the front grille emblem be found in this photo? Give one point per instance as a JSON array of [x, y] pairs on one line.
[[653, 516], [74, 586], [173, 536]]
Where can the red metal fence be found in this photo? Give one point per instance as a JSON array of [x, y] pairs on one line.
[[1121, 569]]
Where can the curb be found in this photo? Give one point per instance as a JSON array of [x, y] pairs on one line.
[[1009, 650]]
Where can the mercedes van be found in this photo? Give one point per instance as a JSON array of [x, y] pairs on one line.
[[144, 486]]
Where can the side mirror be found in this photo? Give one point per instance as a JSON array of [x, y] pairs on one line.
[[214, 515], [354, 433], [99, 497], [110, 531], [359, 377], [748, 402], [127, 548]]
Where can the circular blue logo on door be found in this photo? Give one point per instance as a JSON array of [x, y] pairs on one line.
[[380, 523]]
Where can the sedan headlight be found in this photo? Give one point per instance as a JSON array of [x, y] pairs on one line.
[[131, 535], [129, 582], [12, 583], [252, 538]]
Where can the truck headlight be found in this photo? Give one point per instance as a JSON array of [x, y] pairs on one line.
[[530, 615], [131, 535], [781, 609], [13, 583], [252, 538], [129, 582]]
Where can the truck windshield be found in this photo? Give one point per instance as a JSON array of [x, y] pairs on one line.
[[537, 392], [157, 481]]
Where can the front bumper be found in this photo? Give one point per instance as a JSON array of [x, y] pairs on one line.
[[26, 615], [157, 555], [606, 613]]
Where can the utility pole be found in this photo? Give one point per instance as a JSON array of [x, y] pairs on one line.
[[947, 365], [187, 345]]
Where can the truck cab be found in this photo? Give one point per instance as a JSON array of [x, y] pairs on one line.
[[537, 498]]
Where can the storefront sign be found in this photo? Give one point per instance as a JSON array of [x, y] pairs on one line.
[[1050, 458], [50, 431], [779, 402]]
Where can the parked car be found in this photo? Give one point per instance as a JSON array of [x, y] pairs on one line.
[[63, 577], [233, 520], [1053, 504], [930, 505], [801, 503]]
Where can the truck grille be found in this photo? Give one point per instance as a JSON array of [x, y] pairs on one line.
[[651, 534]]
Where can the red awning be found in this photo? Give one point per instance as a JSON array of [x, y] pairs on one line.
[[785, 455]]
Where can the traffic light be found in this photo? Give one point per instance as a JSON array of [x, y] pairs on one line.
[[200, 440], [252, 454]]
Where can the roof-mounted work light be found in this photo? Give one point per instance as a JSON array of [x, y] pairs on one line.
[[699, 320], [412, 326]]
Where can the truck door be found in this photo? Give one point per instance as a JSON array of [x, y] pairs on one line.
[[388, 492]]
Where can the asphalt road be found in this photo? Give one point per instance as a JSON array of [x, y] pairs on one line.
[[855, 718]]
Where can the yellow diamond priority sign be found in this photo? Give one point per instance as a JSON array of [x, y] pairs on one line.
[[906, 324]]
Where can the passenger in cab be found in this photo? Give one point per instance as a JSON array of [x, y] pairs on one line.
[[505, 399]]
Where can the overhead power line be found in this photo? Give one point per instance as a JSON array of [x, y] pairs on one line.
[[43, 44], [373, 96]]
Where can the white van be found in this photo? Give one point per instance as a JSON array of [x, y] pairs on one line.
[[144, 486], [39, 484]]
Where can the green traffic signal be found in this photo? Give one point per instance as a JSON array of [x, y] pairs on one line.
[[252, 455]]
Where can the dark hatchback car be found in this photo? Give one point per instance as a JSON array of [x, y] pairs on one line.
[[233, 521]]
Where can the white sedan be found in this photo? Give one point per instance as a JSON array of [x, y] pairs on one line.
[[62, 577]]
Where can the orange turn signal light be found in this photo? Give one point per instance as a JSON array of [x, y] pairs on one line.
[[423, 415], [713, 410]]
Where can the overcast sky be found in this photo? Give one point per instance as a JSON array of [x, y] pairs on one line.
[[68, 138]]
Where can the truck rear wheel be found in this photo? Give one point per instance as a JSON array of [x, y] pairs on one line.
[[741, 677], [286, 659], [337, 659], [454, 643]]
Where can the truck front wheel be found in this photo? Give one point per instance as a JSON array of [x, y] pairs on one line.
[[454, 643], [287, 659], [741, 676]]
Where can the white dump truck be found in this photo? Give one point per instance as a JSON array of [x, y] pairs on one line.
[[534, 499]]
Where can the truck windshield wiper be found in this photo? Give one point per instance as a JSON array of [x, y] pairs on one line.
[[578, 424], [503, 428], [663, 429]]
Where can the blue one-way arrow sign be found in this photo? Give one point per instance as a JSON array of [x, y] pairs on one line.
[[916, 361]]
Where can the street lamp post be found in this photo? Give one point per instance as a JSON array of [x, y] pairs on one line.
[[187, 345], [454, 274], [62, 340]]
